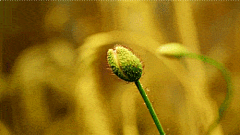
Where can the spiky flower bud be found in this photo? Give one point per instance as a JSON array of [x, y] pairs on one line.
[[124, 63], [172, 49]]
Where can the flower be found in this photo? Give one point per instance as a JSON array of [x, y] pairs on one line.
[[172, 49], [124, 63]]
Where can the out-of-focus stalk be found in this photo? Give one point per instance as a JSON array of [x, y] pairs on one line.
[[197, 79]]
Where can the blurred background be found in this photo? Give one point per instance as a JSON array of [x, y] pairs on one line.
[[55, 78]]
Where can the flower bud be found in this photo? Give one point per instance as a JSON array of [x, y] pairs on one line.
[[124, 63], [172, 49]]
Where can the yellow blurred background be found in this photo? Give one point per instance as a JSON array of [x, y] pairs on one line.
[[55, 79]]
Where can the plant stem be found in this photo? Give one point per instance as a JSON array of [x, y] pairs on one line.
[[227, 77], [150, 107]]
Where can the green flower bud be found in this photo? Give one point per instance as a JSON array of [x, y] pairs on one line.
[[124, 63], [172, 49]]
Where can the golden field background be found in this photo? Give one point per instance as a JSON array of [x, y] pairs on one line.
[[55, 79]]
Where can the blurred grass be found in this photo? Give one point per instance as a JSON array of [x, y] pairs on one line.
[[55, 72]]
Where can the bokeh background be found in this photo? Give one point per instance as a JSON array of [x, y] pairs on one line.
[[55, 78]]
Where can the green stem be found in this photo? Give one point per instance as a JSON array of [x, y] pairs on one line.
[[150, 107], [227, 77]]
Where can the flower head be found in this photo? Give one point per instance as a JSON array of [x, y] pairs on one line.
[[124, 63], [172, 49]]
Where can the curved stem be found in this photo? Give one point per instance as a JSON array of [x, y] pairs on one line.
[[150, 107], [227, 77]]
